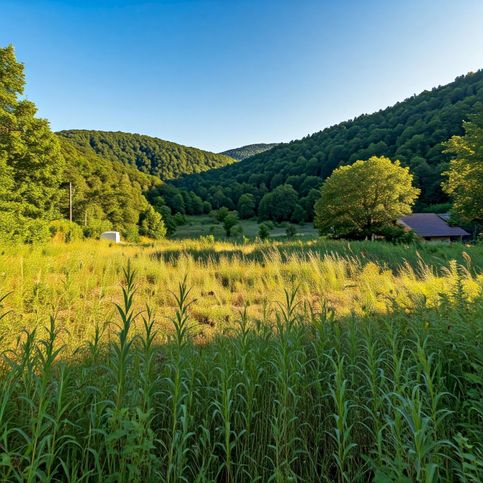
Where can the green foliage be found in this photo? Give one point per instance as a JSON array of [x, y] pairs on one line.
[[291, 231], [31, 164], [298, 215], [179, 219], [465, 175], [279, 204], [221, 213], [412, 131], [168, 219], [105, 195], [263, 231], [396, 234], [247, 151], [152, 224], [150, 155], [65, 231], [357, 201], [20, 229], [246, 205], [229, 221]]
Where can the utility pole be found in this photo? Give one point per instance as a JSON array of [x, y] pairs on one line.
[[70, 200]]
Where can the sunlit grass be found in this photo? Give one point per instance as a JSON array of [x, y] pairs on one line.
[[196, 361]]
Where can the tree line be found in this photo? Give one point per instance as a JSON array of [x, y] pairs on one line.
[[80, 183]]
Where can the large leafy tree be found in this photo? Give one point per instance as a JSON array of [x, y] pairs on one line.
[[30, 157], [465, 175], [279, 204], [362, 199]]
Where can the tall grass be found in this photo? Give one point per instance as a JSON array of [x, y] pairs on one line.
[[298, 390]]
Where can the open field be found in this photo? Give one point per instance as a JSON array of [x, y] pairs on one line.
[[286, 361], [205, 225]]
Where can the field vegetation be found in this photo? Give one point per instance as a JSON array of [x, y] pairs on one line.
[[198, 360]]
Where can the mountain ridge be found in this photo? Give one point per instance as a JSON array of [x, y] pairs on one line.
[[248, 150]]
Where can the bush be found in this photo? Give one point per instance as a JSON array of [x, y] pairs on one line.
[[291, 231], [221, 214], [152, 224], [19, 229], [95, 227], [263, 231], [131, 233], [65, 231], [396, 234], [179, 219], [229, 221]]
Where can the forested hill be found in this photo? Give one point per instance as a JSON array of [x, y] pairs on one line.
[[249, 150], [105, 194], [411, 131], [163, 159]]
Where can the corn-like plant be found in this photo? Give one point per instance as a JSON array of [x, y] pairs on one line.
[[369, 371]]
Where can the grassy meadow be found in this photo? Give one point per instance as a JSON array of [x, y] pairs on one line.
[[198, 360], [205, 225]]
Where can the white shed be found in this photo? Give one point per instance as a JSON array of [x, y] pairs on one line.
[[111, 236]]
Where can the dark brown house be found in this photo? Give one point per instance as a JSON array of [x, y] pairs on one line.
[[432, 227]]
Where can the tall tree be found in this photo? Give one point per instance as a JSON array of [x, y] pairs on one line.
[[465, 175], [361, 199], [28, 148]]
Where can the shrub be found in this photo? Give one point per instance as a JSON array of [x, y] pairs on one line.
[[263, 231], [65, 231], [291, 231]]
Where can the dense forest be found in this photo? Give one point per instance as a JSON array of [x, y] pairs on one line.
[[412, 131], [150, 155], [250, 150], [105, 194]]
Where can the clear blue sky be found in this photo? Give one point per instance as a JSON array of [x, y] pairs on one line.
[[218, 74]]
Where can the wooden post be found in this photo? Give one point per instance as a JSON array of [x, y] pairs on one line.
[[70, 200]]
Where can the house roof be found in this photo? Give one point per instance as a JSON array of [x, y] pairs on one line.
[[431, 224]]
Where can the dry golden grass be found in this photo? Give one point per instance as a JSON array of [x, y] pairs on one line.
[[79, 283]]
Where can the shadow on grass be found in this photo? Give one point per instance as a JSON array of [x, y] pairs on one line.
[[392, 256], [308, 397]]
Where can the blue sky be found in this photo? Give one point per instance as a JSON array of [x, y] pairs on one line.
[[218, 74]]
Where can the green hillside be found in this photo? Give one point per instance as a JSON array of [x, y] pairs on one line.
[[249, 150], [105, 194], [411, 131], [150, 155]]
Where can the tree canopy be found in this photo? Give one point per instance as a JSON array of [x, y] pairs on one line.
[[37, 167], [249, 150], [360, 200], [31, 163], [465, 175], [154, 156]]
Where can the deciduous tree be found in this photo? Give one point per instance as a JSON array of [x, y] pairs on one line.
[[465, 175], [357, 201]]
